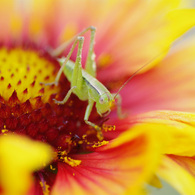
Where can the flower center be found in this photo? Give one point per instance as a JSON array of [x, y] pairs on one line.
[[27, 106]]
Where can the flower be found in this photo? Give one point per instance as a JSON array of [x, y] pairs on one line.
[[73, 160]]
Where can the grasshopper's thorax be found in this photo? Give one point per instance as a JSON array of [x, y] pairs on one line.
[[27, 106]]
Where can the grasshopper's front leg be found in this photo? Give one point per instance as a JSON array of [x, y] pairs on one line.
[[77, 79], [64, 63], [86, 119]]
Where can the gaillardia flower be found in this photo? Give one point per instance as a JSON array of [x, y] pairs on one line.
[[47, 148]]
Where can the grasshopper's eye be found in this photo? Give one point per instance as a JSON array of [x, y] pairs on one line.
[[101, 100]]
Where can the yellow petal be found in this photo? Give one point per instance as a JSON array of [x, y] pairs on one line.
[[19, 157], [175, 129], [155, 181], [188, 163], [178, 177], [152, 45]]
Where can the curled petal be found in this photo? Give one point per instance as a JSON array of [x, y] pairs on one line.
[[179, 178], [114, 168], [176, 130], [19, 157], [188, 163]]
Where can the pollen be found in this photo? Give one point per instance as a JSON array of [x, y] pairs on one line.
[[100, 143], [112, 104], [52, 168], [4, 131], [108, 127], [45, 187], [72, 162]]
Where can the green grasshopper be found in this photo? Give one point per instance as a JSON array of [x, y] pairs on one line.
[[83, 82]]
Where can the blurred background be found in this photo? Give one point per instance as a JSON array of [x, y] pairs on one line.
[[166, 190]]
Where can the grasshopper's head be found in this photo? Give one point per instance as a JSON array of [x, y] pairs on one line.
[[104, 104]]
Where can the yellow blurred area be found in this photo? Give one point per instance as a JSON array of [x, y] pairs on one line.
[[24, 70], [19, 158]]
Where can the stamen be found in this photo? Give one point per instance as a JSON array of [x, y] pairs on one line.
[[108, 127], [98, 144], [72, 162], [44, 186]]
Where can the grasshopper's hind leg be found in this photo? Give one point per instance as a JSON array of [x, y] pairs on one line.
[[90, 65], [56, 52]]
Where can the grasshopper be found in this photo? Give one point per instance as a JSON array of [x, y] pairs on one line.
[[83, 82]]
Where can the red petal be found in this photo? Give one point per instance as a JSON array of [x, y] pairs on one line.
[[113, 168], [168, 86]]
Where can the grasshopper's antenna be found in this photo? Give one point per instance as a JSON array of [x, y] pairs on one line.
[[147, 63]]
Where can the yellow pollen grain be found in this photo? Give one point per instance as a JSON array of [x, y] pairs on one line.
[[63, 153], [45, 188], [72, 162], [108, 127], [99, 144], [112, 104], [68, 140], [4, 131], [80, 142], [70, 103], [52, 168]]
